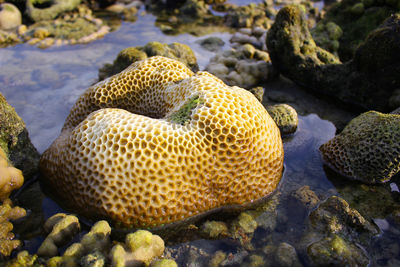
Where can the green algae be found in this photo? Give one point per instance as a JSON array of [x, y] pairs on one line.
[[184, 114]]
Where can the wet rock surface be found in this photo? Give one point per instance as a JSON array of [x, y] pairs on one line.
[[295, 54]]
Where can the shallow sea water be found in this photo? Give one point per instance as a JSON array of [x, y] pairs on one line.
[[43, 84]]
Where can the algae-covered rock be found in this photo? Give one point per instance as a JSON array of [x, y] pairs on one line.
[[130, 55], [335, 216], [10, 16], [357, 18], [285, 117], [8, 242], [295, 54], [215, 229], [327, 35], [211, 43], [15, 142], [286, 255], [336, 233], [55, 8], [248, 16], [367, 149], [334, 251]]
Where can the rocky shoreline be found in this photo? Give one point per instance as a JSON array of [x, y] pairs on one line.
[[352, 82]]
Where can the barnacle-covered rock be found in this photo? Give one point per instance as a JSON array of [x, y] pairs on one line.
[[367, 149], [157, 144]]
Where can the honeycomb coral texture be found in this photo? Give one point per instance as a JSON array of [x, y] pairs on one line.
[[367, 149], [119, 156]]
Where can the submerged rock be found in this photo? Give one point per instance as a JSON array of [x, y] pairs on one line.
[[368, 81], [367, 149], [335, 235], [334, 251], [15, 142]]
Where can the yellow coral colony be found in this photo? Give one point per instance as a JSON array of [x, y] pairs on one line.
[[10, 177], [156, 144]]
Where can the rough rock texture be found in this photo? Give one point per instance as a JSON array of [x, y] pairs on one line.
[[15, 142], [285, 117], [161, 167], [130, 55], [357, 18], [367, 149], [334, 251], [368, 81], [336, 233]]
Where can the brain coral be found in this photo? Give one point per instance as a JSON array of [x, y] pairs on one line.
[[156, 144], [367, 149]]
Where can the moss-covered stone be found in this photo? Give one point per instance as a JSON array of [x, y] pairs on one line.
[[335, 216], [55, 8], [15, 142], [357, 18], [367, 149], [295, 54], [285, 117], [334, 251]]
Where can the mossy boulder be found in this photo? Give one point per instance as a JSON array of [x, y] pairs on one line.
[[367, 149], [336, 233], [15, 142], [357, 18], [366, 82], [49, 9], [130, 55], [334, 251]]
